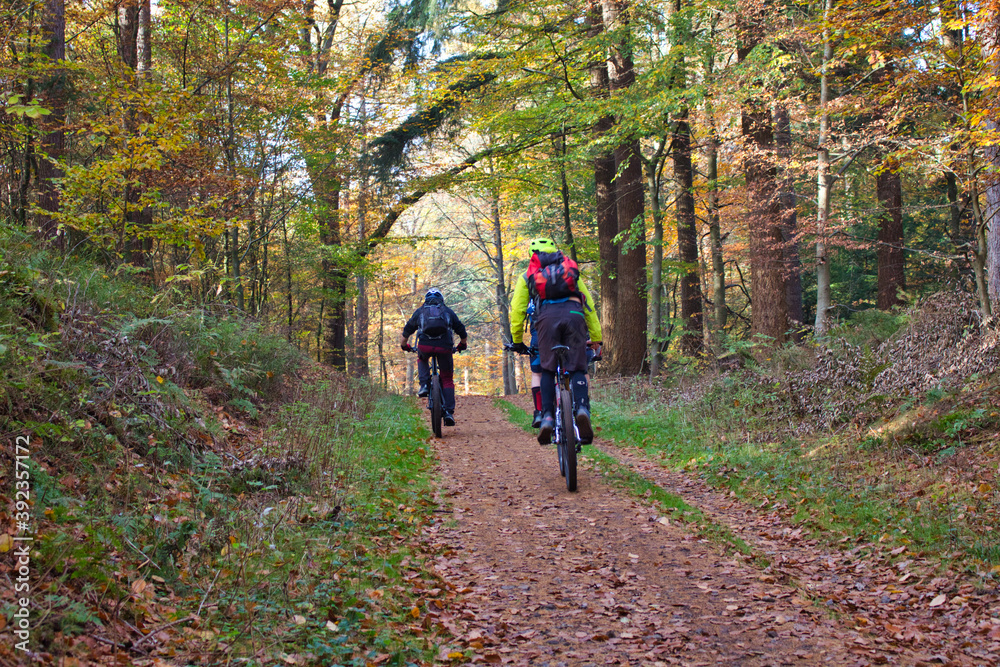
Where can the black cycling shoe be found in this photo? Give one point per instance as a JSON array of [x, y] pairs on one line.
[[545, 430], [583, 426], [423, 391], [536, 421], [449, 419]]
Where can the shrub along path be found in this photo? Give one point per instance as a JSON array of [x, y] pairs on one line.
[[545, 577]]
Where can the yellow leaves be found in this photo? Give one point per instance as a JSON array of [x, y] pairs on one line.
[[6, 543]]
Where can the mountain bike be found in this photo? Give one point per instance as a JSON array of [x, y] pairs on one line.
[[565, 435], [435, 398]]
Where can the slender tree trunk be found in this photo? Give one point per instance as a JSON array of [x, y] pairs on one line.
[[334, 282], [628, 347], [53, 143], [656, 275], [715, 235], [823, 186], [234, 261], [604, 174], [503, 305], [720, 308], [992, 224], [290, 301], [127, 29], [889, 252], [687, 238], [564, 196], [992, 175], [980, 254], [363, 316], [789, 221]]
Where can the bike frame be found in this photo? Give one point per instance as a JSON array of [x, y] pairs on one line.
[[565, 435]]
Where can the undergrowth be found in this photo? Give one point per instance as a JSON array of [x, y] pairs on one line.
[[873, 462], [199, 492]]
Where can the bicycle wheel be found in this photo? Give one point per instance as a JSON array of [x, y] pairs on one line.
[[567, 444], [436, 406], [558, 438]]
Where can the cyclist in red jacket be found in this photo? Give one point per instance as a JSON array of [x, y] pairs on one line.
[[564, 315]]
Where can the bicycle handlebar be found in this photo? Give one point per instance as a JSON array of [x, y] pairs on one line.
[[534, 350]]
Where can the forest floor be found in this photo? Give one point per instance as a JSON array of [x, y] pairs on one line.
[[546, 577]]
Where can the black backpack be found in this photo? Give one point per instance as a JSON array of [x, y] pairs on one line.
[[434, 322]]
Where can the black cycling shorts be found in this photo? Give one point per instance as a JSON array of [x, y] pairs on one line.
[[562, 324]]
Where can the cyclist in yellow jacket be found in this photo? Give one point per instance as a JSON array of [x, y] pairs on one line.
[[564, 315]]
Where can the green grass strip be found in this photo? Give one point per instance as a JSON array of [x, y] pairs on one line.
[[621, 476]]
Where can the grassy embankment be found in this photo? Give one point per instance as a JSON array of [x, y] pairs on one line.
[[833, 446], [199, 493]]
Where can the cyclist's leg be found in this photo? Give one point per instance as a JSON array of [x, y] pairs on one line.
[[576, 336], [547, 324], [547, 392], [536, 379], [546, 321], [446, 369], [423, 372]]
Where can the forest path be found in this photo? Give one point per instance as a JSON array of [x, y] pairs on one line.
[[545, 577]]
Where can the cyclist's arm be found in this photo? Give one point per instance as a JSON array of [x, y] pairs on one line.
[[457, 326], [412, 324], [518, 309], [590, 314]]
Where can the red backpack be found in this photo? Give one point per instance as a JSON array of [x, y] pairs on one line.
[[552, 275]]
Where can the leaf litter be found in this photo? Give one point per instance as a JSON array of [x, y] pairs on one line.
[[539, 576]]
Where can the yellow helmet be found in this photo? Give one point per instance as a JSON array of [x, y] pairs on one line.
[[542, 245]]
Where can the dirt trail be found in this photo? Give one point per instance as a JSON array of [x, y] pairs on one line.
[[546, 577]]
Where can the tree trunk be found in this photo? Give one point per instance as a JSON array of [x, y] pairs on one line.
[[980, 254], [564, 196], [992, 223], [720, 309], [769, 314], [715, 235], [628, 345], [362, 314], [687, 238], [334, 282], [889, 252], [789, 222], [823, 185], [53, 143], [656, 275], [503, 304], [604, 188], [134, 43]]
